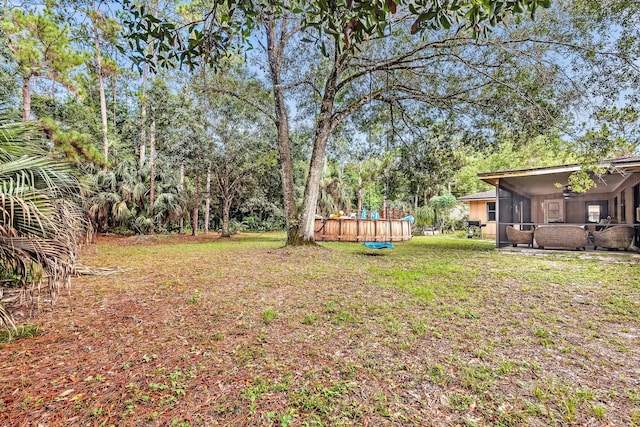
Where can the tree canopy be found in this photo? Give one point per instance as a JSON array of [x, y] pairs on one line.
[[225, 25]]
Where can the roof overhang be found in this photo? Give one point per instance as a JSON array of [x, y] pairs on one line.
[[550, 180], [484, 199], [493, 177]]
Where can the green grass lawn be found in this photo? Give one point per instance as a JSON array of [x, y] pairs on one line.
[[437, 331]]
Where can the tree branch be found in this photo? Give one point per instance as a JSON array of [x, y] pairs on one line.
[[308, 82], [408, 57], [248, 101]]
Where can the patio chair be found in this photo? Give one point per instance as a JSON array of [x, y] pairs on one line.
[[617, 237], [519, 237]]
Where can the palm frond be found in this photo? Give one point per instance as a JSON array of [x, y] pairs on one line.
[[24, 209], [168, 206], [6, 320], [139, 193], [106, 180], [40, 218], [13, 133], [120, 211]]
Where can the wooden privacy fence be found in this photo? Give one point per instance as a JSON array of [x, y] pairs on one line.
[[362, 230]]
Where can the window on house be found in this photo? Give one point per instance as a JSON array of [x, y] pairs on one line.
[[491, 211], [596, 210], [623, 210], [593, 213], [615, 207]]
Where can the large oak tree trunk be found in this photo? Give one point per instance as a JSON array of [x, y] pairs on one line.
[[323, 131], [275, 52], [226, 208], [307, 220], [194, 220]]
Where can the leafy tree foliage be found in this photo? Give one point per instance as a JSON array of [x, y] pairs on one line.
[[442, 206], [41, 48], [221, 28]]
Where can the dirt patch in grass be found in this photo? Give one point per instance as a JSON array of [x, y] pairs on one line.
[[203, 331]]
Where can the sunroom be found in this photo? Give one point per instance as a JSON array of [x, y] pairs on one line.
[[534, 198]]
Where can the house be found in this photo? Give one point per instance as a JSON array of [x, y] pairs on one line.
[[531, 197], [482, 207]]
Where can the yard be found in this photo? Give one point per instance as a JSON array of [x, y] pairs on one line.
[[437, 331]]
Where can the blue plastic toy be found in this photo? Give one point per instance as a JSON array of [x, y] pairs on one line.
[[378, 245]]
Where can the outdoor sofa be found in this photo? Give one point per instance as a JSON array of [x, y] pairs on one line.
[[561, 236], [614, 237], [519, 237]]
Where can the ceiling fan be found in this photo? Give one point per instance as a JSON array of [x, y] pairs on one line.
[[568, 192]]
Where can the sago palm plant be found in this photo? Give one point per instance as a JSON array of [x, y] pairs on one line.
[[40, 219]]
